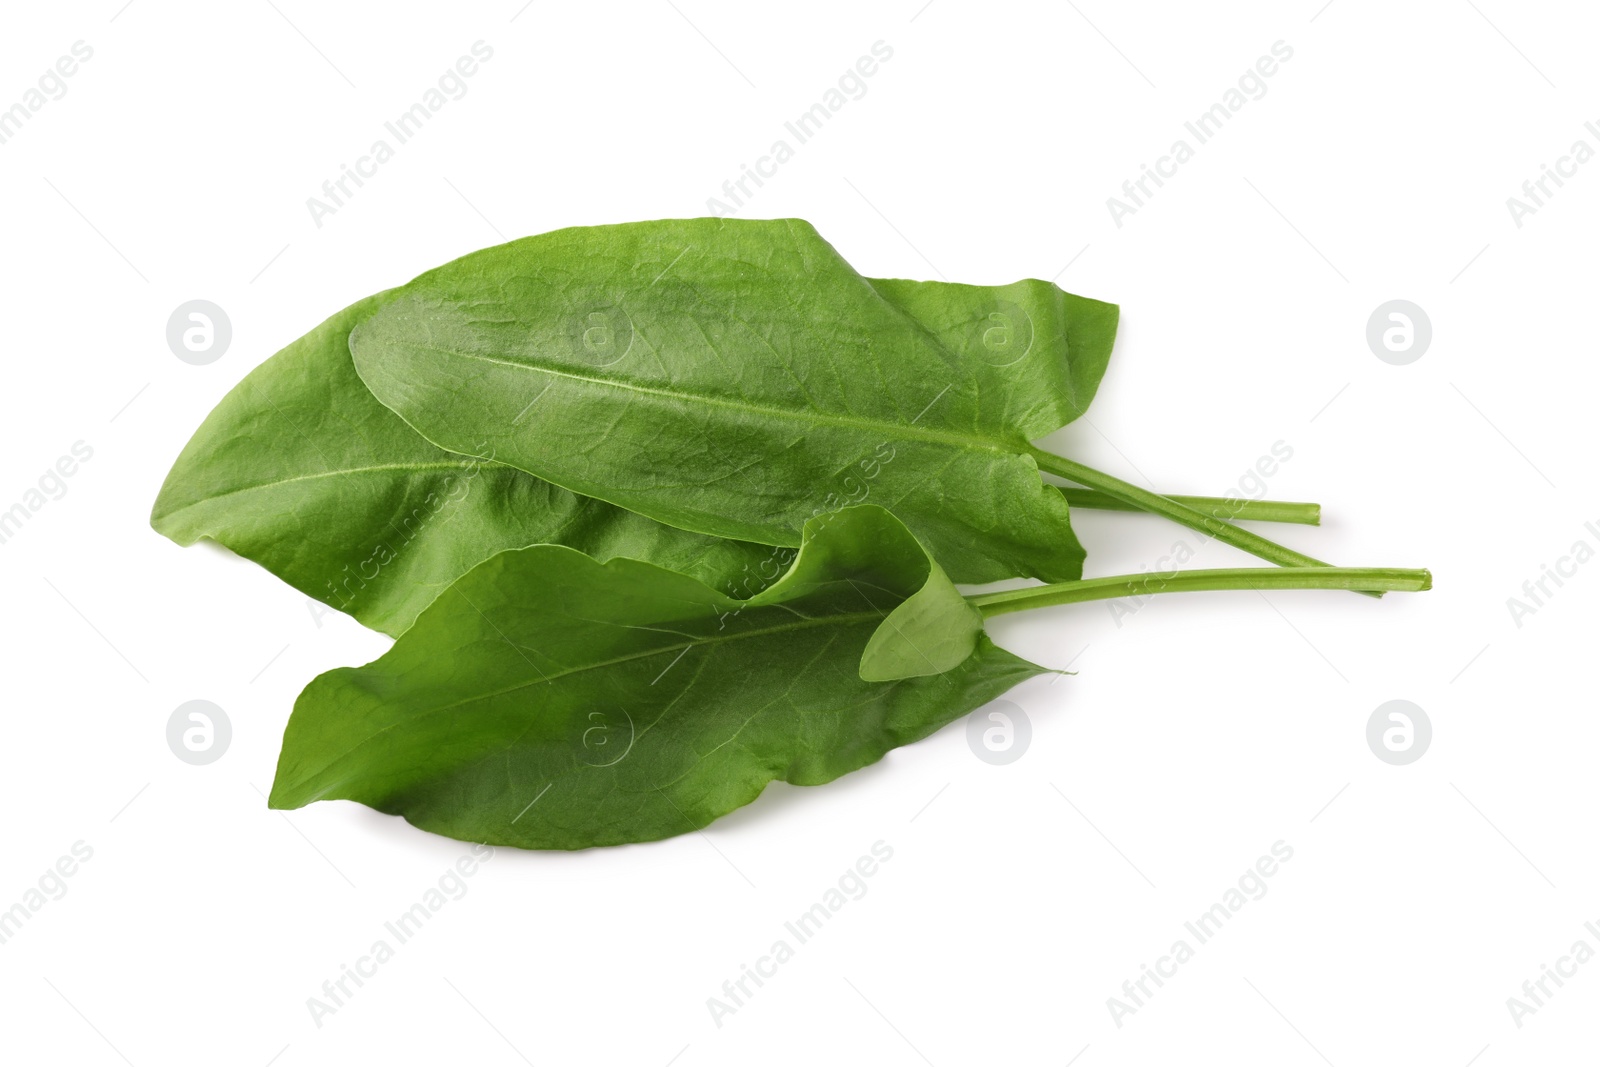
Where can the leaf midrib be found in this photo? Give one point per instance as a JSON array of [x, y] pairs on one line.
[[811, 417], [544, 679], [340, 472]]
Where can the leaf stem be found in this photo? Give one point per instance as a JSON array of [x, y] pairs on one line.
[[1358, 579], [1216, 506], [1156, 504]]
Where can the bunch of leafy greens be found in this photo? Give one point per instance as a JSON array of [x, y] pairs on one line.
[[662, 512]]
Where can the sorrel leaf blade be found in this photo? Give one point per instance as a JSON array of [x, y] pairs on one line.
[[301, 470], [549, 701], [737, 378]]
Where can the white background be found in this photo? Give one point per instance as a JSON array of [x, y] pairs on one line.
[[1195, 734]]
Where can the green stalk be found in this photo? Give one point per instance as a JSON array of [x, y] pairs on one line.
[[1358, 579], [1183, 514], [1215, 506]]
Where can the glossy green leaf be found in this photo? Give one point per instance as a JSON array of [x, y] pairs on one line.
[[302, 471], [737, 377], [550, 701], [1037, 352]]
